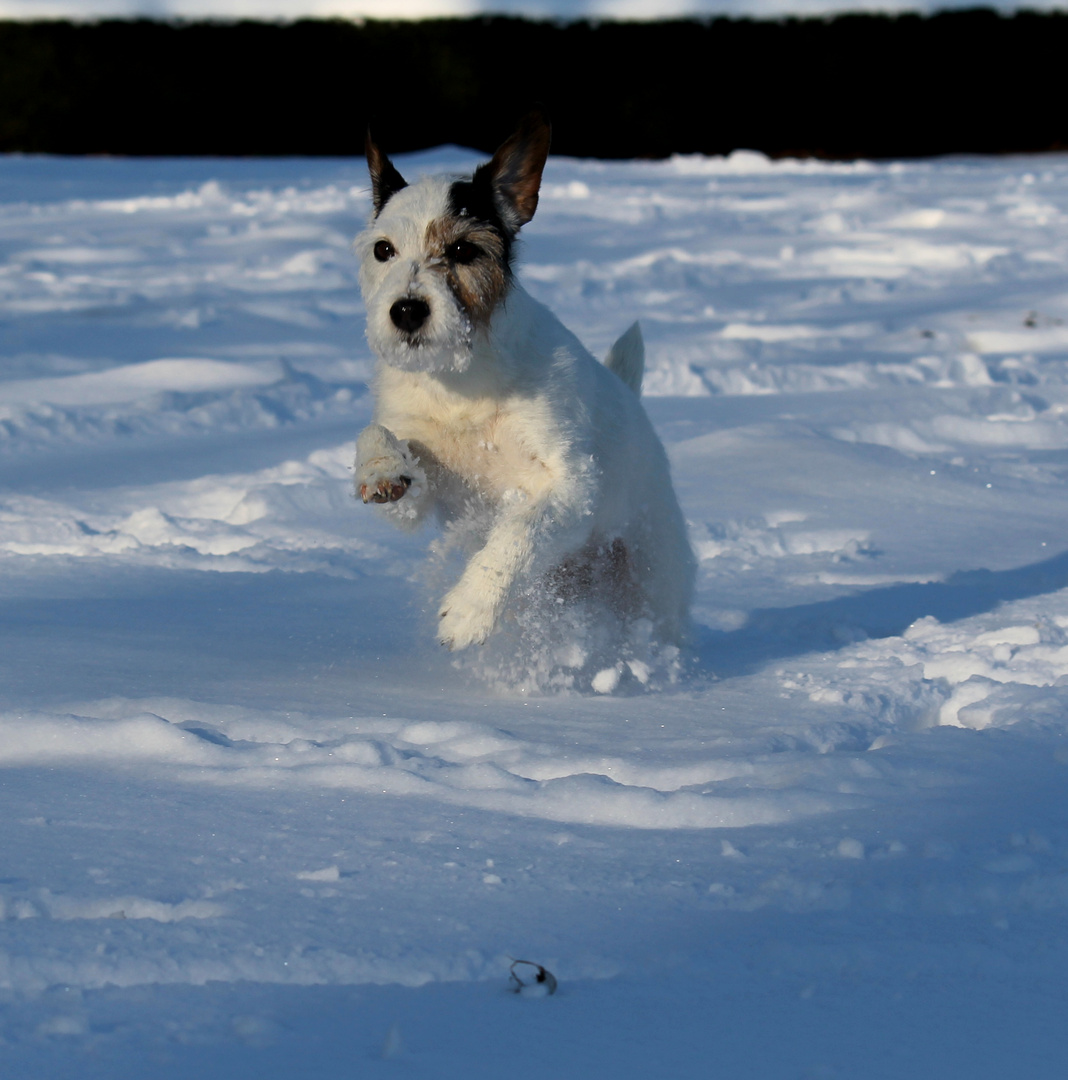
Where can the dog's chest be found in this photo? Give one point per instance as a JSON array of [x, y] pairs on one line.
[[488, 444]]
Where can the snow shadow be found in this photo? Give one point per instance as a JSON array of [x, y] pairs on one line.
[[776, 633]]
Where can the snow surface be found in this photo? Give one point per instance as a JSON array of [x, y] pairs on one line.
[[257, 824]]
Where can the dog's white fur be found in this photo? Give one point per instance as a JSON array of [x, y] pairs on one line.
[[505, 414]]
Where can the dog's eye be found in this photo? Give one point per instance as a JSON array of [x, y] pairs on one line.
[[463, 252], [384, 251]]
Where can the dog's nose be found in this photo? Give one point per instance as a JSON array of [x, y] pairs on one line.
[[409, 314]]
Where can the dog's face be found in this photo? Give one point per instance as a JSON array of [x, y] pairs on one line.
[[431, 272], [435, 258]]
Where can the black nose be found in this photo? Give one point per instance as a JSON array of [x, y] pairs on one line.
[[409, 314]]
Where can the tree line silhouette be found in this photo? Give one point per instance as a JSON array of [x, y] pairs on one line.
[[850, 86]]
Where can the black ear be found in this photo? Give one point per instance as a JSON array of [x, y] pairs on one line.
[[385, 180], [514, 174]]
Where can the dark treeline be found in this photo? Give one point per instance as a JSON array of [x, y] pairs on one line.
[[856, 85]]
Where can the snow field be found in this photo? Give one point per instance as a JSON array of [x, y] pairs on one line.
[[258, 823]]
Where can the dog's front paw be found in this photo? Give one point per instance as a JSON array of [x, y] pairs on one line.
[[464, 620], [384, 467], [385, 489]]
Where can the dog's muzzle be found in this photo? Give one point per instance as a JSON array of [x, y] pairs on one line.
[[409, 314]]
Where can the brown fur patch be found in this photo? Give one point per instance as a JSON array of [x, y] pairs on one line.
[[601, 569], [478, 285]]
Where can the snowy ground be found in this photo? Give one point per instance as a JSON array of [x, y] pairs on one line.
[[257, 824]]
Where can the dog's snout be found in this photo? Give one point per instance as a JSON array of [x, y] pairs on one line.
[[409, 314]]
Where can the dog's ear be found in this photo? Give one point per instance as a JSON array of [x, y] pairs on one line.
[[514, 174], [385, 180]]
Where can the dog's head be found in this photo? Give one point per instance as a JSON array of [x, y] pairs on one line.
[[436, 255]]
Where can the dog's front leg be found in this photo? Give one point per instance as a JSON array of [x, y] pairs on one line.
[[472, 606], [387, 471], [529, 535]]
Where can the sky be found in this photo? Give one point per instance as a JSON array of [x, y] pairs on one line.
[[415, 9]]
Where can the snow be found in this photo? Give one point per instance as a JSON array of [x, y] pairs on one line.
[[257, 823]]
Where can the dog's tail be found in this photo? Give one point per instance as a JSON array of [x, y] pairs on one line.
[[627, 358]]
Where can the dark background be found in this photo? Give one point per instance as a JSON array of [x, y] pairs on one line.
[[843, 87]]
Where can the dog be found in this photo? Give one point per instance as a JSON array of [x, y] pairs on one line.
[[488, 409]]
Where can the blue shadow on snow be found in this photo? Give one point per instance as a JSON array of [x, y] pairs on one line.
[[776, 633]]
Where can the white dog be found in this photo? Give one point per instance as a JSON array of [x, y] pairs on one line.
[[487, 408]]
